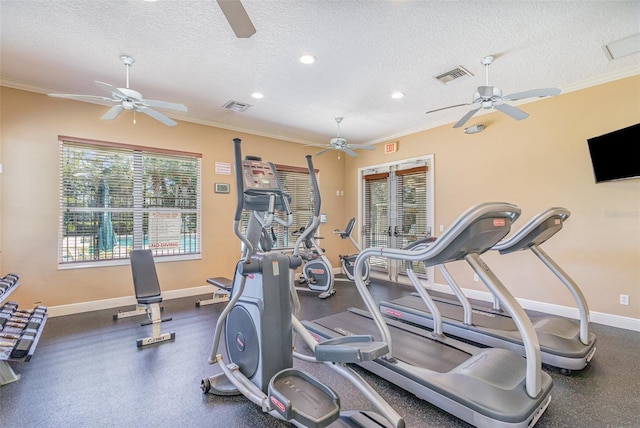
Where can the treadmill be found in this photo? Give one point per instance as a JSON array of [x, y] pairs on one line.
[[486, 387], [564, 343]]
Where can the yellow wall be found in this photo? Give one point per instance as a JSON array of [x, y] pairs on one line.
[[536, 163], [31, 124]]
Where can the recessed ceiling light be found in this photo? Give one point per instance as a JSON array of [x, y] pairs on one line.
[[307, 59], [257, 95], [397, 95]]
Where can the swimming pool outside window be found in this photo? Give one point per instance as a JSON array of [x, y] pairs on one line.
[[117, 197]]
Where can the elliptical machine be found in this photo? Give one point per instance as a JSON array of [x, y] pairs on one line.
[[317, 273], [259, 325], [349, 261]]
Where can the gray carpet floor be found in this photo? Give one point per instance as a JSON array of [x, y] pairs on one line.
[[88, 372]]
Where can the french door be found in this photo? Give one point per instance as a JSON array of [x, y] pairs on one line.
[[396, 209]]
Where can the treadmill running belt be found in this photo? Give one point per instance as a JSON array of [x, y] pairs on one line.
[[411, 348], [452, 310]]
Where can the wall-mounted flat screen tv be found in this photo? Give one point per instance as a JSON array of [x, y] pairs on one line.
[[616, 155]]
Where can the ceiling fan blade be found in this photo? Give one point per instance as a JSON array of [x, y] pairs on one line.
[[112, 88], [512, 111], [348, 151], [322, 151], [164, 104], [80, 97], [445, 108], [465, 118], [157, 116], [106, 85], [238, 18], [361, 147], [113, 112], [544, 92]]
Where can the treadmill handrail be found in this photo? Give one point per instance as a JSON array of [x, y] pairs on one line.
[[464, 301], [426, 298], [425, 253], [523, 323], [431, 252], [428, 253], [581, 301], [520, 318], [517, 242], [514, 242]]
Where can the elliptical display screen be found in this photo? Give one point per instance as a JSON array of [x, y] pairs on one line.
[[259, 175]]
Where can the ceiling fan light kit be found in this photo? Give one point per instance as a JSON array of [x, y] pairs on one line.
[[474, 129], [129, 99], [488, 97]]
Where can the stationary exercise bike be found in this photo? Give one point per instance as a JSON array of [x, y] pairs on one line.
[[317, 273], [349, 261], [259, 325]]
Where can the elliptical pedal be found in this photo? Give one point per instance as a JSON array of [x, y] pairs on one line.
[[297, 396]]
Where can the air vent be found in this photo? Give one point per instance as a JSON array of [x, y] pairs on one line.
[[454, 74], [236, 106]]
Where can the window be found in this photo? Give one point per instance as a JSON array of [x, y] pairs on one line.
[[295, 181], [116, 197]]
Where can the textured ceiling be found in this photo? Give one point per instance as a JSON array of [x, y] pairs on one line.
[[186, 52]]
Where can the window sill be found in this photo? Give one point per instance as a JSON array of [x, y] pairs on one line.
[[123, 262]]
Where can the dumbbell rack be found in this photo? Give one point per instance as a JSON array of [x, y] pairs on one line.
[[20, 331]]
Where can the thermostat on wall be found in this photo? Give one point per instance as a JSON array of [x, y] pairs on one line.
[[323, 218], [222, 188]]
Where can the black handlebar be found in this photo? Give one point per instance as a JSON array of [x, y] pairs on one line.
[[237, 152], [314, 185]]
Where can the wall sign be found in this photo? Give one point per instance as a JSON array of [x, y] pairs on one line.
[[390, 147], [223, 168], [164, 230]]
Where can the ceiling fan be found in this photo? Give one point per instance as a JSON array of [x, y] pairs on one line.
[[238, 18], [340, 144], [487, 97], [128, 99]]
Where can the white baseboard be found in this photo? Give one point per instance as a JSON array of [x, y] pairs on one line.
[[618, 321], [117, 302], [550, 308]]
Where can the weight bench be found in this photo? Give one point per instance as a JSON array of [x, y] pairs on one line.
[[148, 295], [222, 288]]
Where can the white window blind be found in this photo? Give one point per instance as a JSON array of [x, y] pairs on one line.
[[376, 229], [116, 197], [412, 199]]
